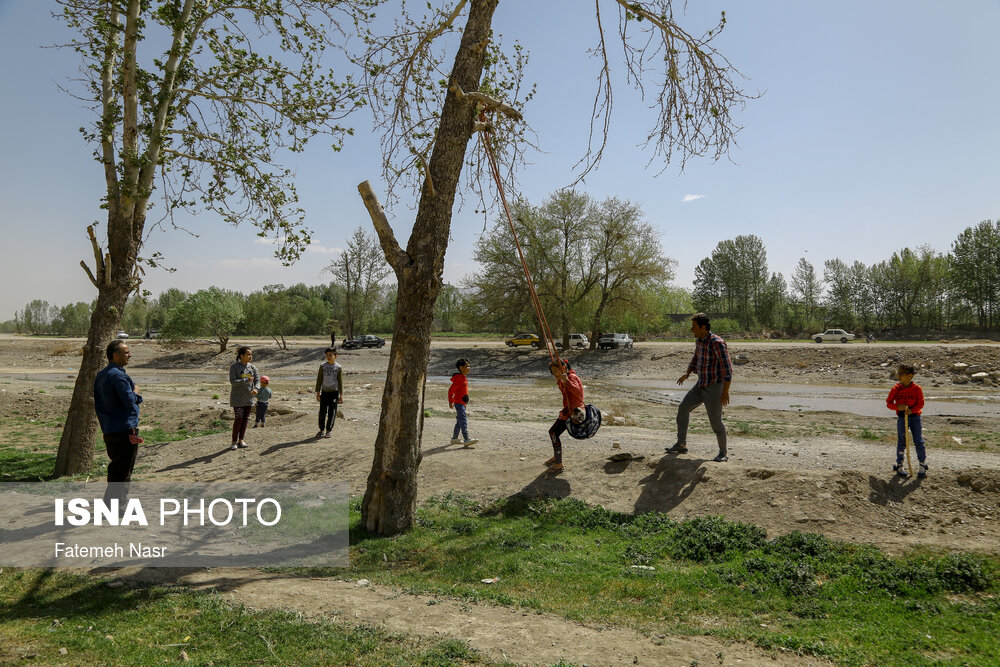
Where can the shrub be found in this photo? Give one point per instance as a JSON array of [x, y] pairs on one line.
[[713, 539], [962, 572], [798, 544]]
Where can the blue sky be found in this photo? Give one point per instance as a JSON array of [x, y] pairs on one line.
[[876, 130]]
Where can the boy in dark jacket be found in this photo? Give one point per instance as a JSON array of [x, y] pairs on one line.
[[458, 398], [907, 399]]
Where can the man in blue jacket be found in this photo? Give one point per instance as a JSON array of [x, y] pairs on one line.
[[117, 399]]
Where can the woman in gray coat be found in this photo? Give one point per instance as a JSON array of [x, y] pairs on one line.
[[245, 381]]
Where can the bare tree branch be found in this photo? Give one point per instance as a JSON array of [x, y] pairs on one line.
[[396, 256]]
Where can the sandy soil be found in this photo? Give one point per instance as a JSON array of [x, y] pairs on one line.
[[788, 469]]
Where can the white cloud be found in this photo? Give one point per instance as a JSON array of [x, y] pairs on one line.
[[688, 198], [312, 247], [322, 249], [248, 262]]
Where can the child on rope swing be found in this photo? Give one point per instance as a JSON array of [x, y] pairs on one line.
[[582, 420]]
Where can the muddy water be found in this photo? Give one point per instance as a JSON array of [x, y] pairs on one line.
[[866, 401], [856, 400]]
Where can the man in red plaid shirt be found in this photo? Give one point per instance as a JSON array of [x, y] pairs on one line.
[[715, 374]]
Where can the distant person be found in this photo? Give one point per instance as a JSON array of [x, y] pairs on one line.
[[715, 374], [333, 338], [458, 398], [245, 381], [116, 400], [329, 392], [907, 399], [573, 408], [263, 396]]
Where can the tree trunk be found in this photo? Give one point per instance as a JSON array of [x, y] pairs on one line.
[[76, 446], [391, 496]]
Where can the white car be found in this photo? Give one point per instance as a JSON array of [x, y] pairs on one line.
[[834, 335], [576, 340], [121, 335]]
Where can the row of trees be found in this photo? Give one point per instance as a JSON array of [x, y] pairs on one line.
[[274, 311], [916, 288], [597, 266]]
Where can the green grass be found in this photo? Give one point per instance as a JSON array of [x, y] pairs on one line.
[[42, 611], [28, 448], [868, 434], [800, 592]]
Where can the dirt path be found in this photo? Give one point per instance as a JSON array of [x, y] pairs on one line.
[[503, 633]]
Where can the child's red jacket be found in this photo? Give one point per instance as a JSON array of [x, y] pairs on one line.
[[459, 388], [572, 391], [900, 397]]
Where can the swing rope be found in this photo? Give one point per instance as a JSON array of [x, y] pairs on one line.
[[550, 346]]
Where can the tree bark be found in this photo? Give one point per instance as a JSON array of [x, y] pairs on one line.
[[390, 498], [115, 281]]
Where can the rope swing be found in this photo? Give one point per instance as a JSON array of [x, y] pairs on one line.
[[486, 142], [579, 429]]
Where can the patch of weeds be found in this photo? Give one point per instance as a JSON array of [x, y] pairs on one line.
[[793, 578], [743, 427], [215, 397], [868, 434], [713, 539]]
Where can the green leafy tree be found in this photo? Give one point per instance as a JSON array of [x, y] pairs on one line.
[[807, 291], [73, 319], [213, 312], [35, 317], [446, 309], [273, 312], [839, 293], [194, 98], [733, 279], [974, 271], [630, 267]]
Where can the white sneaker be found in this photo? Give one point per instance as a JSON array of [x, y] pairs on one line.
[[234, 446], [470, 442], [327, 435], [456, 441]]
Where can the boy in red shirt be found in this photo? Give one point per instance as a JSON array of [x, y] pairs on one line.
[[458, 397], [907, 398]]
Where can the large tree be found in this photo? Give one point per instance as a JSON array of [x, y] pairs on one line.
[[629, 259], [361, 270], [427, 113], [807, 290], [975, 270], [734, 279], [214, 312], [193, 98]]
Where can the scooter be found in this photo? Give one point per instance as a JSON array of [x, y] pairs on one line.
[[870, 337]]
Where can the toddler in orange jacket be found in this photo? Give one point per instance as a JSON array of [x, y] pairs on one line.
[[907, 399]]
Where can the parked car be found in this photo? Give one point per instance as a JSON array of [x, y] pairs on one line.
[[613, 341], [523, 339], [833, 334], [577, 340], [152, 333], [362, 341], [121, 335]]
